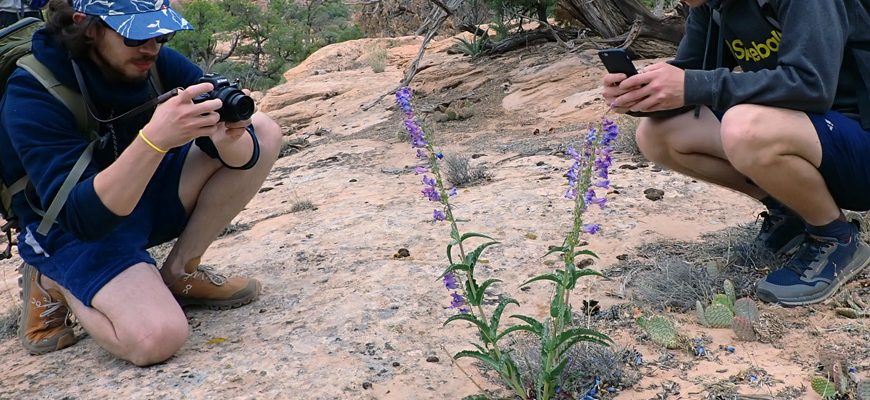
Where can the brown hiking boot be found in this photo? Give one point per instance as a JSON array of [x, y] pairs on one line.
[[45, 323], [203, 286]]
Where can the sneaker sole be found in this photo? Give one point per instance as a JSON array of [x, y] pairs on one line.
[[223, 304], [863, 254], [28, 274]]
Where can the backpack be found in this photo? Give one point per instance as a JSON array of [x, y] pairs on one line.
[[15, 53]]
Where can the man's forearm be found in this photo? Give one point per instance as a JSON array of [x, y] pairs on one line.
[[121, 185]]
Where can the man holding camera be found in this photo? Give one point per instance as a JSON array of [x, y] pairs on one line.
[[790, 130], [181, 170]]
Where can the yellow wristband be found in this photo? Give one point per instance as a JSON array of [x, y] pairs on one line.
[[141, 135]]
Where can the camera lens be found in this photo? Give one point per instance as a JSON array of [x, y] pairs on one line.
[[236, 105]]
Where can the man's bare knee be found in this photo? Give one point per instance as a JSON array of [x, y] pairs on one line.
[[652, 140], [745, 138], [159, 341]]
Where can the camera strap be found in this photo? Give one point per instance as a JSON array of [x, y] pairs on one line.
[[89, 104]]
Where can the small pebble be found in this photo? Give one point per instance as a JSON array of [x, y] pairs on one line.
[[432, 359]]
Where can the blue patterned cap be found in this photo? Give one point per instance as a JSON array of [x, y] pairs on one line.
[[135, 19]]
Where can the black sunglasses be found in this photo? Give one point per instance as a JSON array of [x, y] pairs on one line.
[[159, 39], [162, 39]]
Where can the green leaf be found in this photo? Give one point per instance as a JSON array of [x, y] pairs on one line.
[[559, 367], [475, 296], [527, 328], [484, 330], [450, 252], [471, 258], [537, 327], [571, 333], [587, 272], [476, 397], [480, 356], [585, 253], [578, 339], [486, 284], [471, 235], [496, 315], [547, 277], [452, 268], [555, 250]]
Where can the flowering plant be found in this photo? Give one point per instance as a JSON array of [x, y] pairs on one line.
[[556, 334]]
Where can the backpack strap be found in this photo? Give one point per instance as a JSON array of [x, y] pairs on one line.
[[87, 126]]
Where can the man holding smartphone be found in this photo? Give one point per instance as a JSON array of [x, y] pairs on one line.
[[791, 130]]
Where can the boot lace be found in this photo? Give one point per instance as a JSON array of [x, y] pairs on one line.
[[810, 252], [768, 220], [204, 272], [51, 307]]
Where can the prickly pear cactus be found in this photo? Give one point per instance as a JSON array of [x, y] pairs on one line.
[[718, 315], [862, 391], [729, 291], [743, 328], [724, 300], [823, 387], [699, 308], [712, 268], [451, 113], [662, 331], [467, 113], [746, 308]]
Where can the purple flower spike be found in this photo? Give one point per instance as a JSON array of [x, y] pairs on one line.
[[591, 229], [450, 281], [458, 300], [439, 216]]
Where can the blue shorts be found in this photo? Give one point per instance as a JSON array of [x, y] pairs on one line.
[[845, 166], [85, 267]]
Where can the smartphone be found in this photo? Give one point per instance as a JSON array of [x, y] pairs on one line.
[[617, 62]]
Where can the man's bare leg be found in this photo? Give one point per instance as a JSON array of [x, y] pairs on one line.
[[144, 326], [693, 147], [214, 195]]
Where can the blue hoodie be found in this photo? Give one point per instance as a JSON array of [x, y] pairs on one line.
[[39, 137]]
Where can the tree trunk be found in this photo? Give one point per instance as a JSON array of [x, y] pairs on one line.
[[628, 24]]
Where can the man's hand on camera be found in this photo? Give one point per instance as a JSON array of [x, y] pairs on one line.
[[659, 87], [179, 120], [613, 90]]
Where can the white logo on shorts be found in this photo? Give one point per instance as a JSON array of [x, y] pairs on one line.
[[830, 125]]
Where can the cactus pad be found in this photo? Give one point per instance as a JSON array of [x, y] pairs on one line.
[[700, 310], [823, 387], [662, 331], [862, 391], [746, 308], [724, 300], [718, 315], [743, 328], [451, 113], [729, 291]]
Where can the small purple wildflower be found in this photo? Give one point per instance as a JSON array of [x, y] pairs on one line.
[[420, 170], [439, 156], [464, 311], [439, 216], [429, 181], [431, 193], [458, 300], [591, 229], [452, 192], [421, 154], [569, 195], [450, 281]]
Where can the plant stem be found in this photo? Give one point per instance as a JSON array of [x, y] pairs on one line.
[[485, 393]]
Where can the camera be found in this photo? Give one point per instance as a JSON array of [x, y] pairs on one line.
[[237, 106]]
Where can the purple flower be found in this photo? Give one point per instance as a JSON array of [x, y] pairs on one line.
[[420, 170], [452, 192], [450, 281], [458, 300], [601, 201], [431, 193], [439, 216], [429, 181], [590, 194], [573, 153], [569, 195], [464, 311], [591, 136], [572, 176], [439, 156], [591, 229], [421, 154], [603, 184]]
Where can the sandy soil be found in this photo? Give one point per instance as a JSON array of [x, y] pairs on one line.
[[341, 317]]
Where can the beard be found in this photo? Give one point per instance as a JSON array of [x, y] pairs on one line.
[[121, 71]]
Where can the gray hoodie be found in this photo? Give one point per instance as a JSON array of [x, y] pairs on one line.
[[815, 68]]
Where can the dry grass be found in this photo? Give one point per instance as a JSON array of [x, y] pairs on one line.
[[376, 56]]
